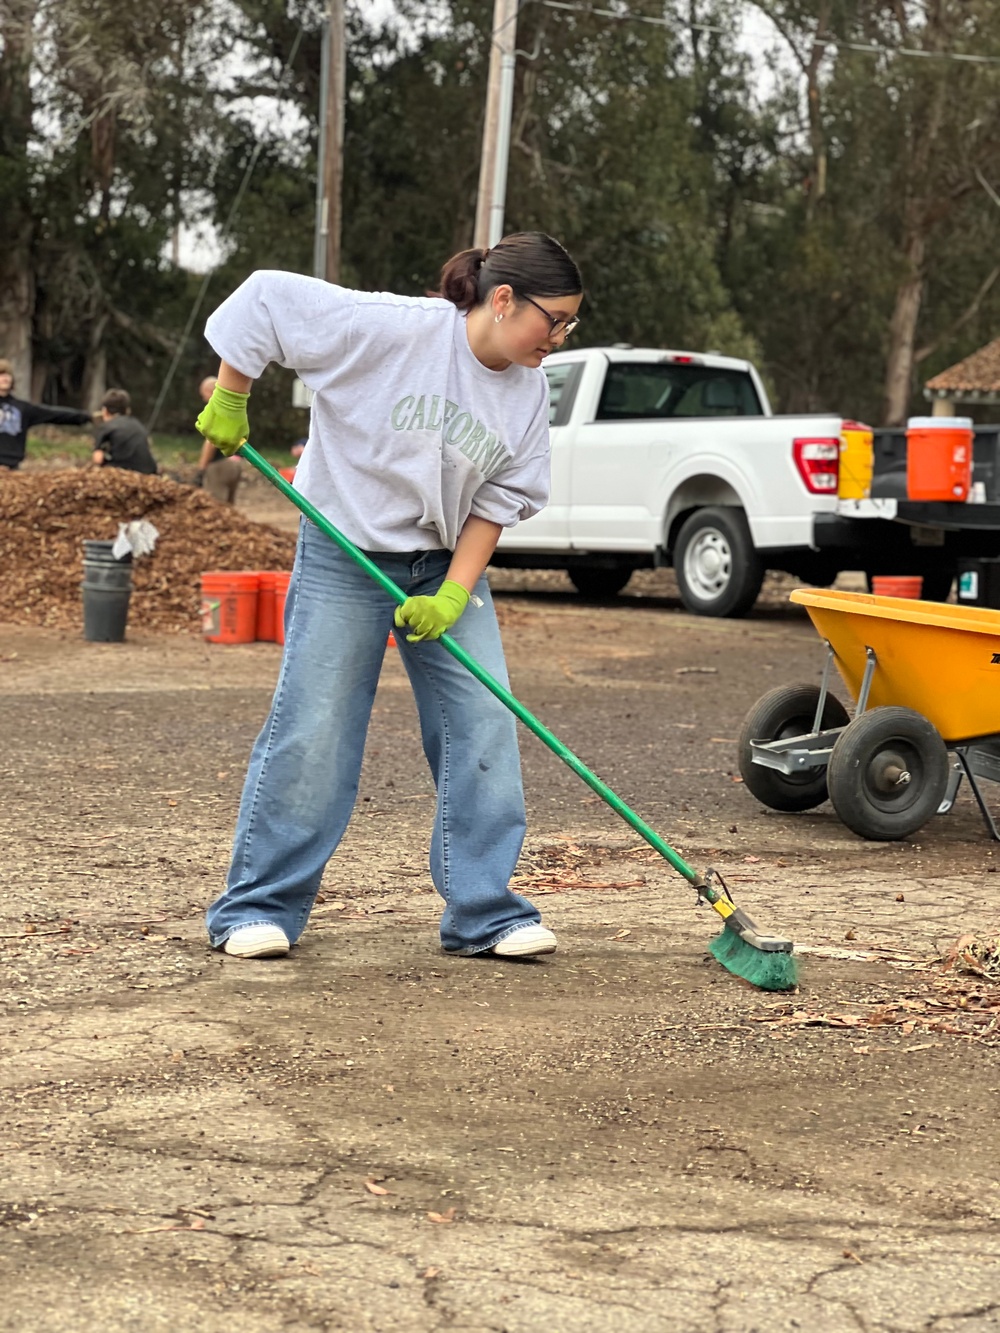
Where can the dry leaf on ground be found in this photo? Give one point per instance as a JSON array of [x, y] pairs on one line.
[[373, 1187]]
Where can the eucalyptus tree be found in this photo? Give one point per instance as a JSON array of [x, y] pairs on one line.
[[101, 117], [891, 142]]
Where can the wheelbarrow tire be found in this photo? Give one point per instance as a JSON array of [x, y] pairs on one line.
[[789, 710], [888, 773]]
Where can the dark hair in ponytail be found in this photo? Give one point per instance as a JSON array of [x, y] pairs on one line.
[[527, 261]]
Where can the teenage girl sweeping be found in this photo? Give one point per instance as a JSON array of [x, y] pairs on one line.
[[428, 435]]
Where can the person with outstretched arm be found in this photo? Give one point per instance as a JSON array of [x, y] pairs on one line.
[[428, 435], [17, 416]]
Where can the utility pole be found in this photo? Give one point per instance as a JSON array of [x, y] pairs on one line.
[[329, 177], [496, 129], [330, 161]]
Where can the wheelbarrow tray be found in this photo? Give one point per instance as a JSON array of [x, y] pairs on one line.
[[942, 661]]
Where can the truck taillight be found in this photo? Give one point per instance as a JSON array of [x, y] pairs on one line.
[[818, 462]]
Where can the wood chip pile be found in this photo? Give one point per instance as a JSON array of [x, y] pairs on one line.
[[46, 516]]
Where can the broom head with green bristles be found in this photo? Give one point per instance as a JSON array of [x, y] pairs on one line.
[[766, 961]]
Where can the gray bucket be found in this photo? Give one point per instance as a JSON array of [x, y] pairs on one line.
[[107, 587]]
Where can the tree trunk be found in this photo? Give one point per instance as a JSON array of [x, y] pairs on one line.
[[95, 367], [17, 304], [919, 217], [903, 331], [17, 287]]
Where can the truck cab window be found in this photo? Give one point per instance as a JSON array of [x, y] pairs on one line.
[[644, 391]]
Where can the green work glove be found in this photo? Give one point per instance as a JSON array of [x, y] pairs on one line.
[[224, 419], [431, 616]]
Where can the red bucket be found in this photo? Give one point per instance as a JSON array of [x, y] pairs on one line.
[[229, 606], [265, 607], [898, 585], [280, 592]]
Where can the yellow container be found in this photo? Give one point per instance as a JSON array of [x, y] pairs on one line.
[[942, 661], [856, 461]]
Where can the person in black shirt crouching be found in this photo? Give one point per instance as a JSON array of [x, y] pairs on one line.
[[121, 441]]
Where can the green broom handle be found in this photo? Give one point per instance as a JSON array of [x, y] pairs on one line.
[[481, 674]]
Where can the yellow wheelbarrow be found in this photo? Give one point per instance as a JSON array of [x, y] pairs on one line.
[[925, 678]]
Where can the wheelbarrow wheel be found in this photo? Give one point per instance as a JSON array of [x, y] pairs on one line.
[[787, 711], [888, 773]]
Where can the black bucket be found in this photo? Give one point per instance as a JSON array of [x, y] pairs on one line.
[[107, 574], [105, 611], [107, 587]]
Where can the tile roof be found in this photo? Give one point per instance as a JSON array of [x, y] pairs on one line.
[[978, 373]]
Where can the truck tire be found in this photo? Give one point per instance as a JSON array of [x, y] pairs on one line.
[[599, 581], [817, 573], [718, 571], [937, 585]]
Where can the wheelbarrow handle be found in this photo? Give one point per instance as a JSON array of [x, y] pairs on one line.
[[712, 896]]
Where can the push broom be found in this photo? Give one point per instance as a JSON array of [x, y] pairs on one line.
[[766, 961]]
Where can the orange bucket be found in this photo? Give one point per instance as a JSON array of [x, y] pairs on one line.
[[265, 606], [938, 458], [229, 606], [898, 585], [280, 591], [287, 472]]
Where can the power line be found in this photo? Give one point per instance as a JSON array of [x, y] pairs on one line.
[[868, 48]]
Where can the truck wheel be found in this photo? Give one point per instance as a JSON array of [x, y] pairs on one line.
[[718, 571], [888, 773], [937, 585], [597, 581], [817, 574], [790, 710]]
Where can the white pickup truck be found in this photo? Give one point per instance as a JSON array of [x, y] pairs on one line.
[[675, 458]]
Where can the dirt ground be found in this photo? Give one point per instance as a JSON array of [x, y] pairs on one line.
[[372, 1136]]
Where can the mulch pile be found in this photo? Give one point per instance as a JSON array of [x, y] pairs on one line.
[[45, 518]]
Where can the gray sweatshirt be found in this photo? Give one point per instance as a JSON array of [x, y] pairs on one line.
[[409, 433]]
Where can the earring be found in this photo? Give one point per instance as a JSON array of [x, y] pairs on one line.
[[497, 319]]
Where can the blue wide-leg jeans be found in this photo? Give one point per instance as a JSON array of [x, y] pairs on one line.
[[302, 782]]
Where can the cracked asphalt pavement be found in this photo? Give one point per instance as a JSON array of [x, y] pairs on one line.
[[371, 1136]]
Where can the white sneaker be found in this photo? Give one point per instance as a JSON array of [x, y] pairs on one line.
[[526, 942], [259, 941]]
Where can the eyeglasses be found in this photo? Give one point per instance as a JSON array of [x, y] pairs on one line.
[[556, 325]]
